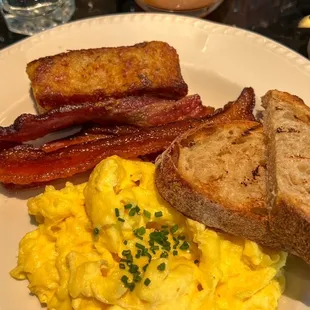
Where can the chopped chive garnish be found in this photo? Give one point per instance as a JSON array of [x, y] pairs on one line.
[[144, 252], [149, 256], [122, 266], [124, 279], [131, 286], [136, 234], [137, 209], [123, 260], [121, 220], [116, 212], [181, 237], [145, 267], [96, 231], [126, 252], [132, 212], [164, 255], [147, 214], [125, 242], [141, 231], [161, 267], [175, 253], [137, 278], [158, 214], [154, 248], [164, 226], [140, 246], [184, 246], [133, 268], [128, 206], [147, 282], [174, 229], [167, 248]]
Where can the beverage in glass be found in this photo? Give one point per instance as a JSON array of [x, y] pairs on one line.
[[188, 7], [31, 16]]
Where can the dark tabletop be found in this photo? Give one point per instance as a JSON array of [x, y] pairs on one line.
[[279, 25]]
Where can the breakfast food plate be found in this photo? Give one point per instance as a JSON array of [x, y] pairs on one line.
[[217, 62]]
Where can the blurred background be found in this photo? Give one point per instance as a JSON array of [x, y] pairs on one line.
[[276, 19]]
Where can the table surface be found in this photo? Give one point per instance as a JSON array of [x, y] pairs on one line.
[[281, 26]]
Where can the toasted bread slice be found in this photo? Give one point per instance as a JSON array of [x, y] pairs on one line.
[[216, 175], [287, 126], [95, 74]]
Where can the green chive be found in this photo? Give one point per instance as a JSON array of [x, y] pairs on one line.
[[96, 231], [174, 229], [167, 248], [140, 246], [164, 255], [164, 226], [147, 282], [144, 252], [131, 286], [175, 253], [126, 252], [137, 278], [145, 267], [137, 209], [141, 231], [147, 214], [184, 246], [121, 220], [122, 266], [116, 212], [149, 256], [181, 237], [128, 206], [132, 212], [154, 248], [158, 214], [133, 268], [124, 279], [125, 242], [161, 267]]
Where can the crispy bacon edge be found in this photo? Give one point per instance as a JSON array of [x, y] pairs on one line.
[[143, 111]]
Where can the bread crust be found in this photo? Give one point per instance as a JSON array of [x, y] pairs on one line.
[[289, 214], [197, 205], [292, 228]]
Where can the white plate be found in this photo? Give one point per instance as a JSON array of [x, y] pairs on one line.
[[217, 62]]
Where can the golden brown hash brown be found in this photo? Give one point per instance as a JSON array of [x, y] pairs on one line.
[[94, 74]]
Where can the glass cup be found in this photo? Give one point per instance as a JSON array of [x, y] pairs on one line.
[[31, 16], [198, 8]]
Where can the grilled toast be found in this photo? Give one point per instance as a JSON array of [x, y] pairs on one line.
[[94, 74], [216, 175], [287, 127]]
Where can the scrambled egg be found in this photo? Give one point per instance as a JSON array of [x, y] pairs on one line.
[[113, 243]]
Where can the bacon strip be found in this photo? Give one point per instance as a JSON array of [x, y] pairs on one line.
[[79, 139], [25, 164], [144, 111]]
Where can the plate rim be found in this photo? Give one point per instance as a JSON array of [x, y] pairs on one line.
[[203, 24]]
